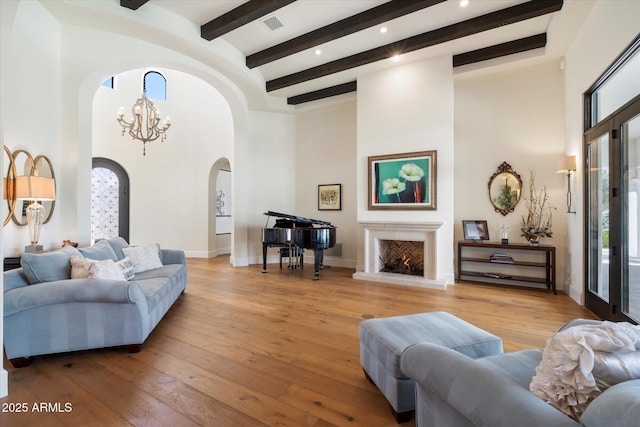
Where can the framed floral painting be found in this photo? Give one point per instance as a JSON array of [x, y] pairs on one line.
[[403, 181]]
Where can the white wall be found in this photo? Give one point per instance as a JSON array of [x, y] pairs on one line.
[[325, 154], [609, 29], [514, 116], [272, 176], [31, 114], [169, 191], [406, 109], [7, 14]]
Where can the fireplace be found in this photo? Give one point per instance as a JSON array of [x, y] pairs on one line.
[[383, 238], [402, 257]]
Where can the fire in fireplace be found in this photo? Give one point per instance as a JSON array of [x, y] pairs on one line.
[[402, 257]]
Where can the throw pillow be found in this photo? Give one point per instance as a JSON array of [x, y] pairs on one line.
[[48, 266], [126, 266], [582, 361], [144, 257], [85, 268], [117, 243], [99, 251]]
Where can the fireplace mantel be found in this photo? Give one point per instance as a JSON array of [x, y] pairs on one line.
[[426, 232]]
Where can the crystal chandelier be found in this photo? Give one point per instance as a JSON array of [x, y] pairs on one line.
[[143, 123]]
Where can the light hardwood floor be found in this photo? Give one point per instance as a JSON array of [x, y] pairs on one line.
[[241, 348]]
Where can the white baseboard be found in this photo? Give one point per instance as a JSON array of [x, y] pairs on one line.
[[207, 254], [239, 262], [196, 254], [4, 383]]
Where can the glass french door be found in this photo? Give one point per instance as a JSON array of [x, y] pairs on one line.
[[630, 292], [598, 226], [612, 224]]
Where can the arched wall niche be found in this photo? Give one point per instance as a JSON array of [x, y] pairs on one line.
[[219, 239]]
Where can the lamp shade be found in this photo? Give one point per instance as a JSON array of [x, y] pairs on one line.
[[35, 188], [569, 164]]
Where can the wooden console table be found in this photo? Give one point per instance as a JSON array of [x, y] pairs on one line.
[[11, 262], [501, 275]]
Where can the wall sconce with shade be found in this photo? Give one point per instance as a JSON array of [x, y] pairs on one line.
[[35, 188], [569, 168]]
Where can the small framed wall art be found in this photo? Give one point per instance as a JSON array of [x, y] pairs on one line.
[[329, 197], [403, 181]]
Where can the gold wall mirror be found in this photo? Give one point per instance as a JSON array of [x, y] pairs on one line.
[[21, 163], [8, 188], [505, 188], [44, 168]]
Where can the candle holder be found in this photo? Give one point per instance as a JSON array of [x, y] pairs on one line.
[[504, 230]]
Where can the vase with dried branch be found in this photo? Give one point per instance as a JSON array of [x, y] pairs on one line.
[[539, 219]]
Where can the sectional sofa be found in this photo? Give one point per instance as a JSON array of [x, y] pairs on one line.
[[453, 389]]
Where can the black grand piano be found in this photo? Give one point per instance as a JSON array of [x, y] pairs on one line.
[[295, 233]]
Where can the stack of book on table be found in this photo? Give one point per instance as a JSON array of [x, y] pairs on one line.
[[499, 257]]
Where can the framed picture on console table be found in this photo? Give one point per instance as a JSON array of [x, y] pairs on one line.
[[329, 197], [403, 181], [475, 230]]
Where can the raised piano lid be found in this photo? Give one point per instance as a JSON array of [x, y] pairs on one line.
[[298, 218]]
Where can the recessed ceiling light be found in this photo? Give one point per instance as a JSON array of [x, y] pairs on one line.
[[318, 52], [383, 30], [396, 57], [464, 3]]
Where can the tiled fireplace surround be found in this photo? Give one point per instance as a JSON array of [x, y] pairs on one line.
[[377, 231]]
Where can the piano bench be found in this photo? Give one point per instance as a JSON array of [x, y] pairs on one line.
[[295, 252]]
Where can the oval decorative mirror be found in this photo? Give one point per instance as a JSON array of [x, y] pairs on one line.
[[21, 167], [505, 187], [8, 184], [43, 167]]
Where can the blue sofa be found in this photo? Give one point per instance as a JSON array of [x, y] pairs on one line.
[[46, 311], [453, 389]]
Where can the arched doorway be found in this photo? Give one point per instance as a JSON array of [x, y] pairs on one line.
[[109, 200]]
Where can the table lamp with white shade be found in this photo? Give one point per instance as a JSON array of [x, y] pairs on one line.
[[35, 188]]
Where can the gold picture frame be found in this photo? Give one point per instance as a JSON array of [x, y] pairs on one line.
[[403, 181]]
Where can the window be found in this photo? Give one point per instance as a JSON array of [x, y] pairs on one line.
[[612, 190], [108, 83], [155, 85], [616, 87]]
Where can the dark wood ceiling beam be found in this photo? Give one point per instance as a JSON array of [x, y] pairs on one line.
[[241, 15], [496, 51], [323, 93], [500, 50], [377, 15], [469, 27], [132, 4]]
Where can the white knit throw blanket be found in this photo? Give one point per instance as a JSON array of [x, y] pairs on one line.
[[581, 362]]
